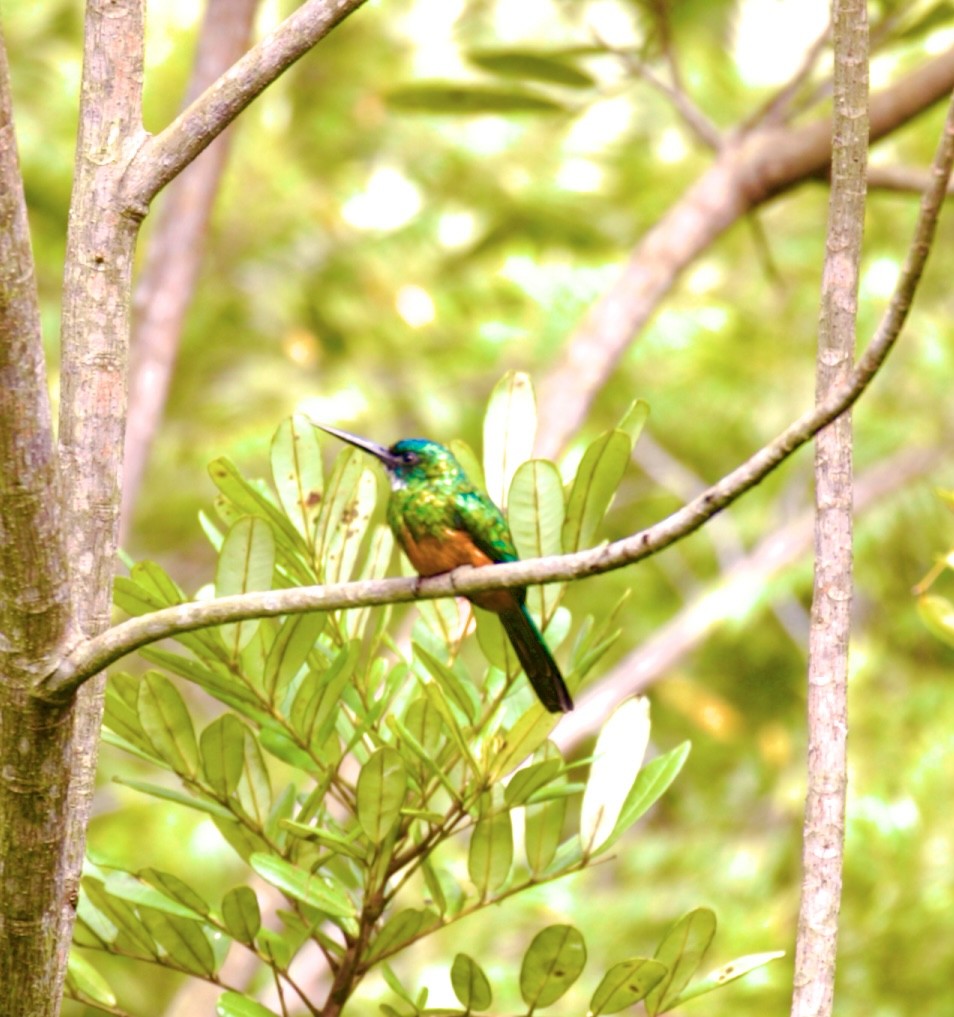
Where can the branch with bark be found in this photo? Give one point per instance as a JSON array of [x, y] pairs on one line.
[[91, 657], [824, 826], [758, 163]]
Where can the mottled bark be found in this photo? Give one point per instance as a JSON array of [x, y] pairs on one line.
[[34, 737], [824, 828]]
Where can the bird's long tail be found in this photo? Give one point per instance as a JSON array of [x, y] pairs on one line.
[[533, 654]]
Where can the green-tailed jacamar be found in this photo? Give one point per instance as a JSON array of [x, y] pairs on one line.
[[442, 520]]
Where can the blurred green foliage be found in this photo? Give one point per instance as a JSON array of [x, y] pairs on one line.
[[494, 234]]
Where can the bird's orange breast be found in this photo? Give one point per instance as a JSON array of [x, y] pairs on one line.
[[432, 555]]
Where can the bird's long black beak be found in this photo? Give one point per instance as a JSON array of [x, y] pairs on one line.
[[378, 451]]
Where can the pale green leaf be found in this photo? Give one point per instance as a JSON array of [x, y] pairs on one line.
[[510, 428], [651, 784], [382, 785], [536, 513], [451, 97], [314, 890], [182, 939], [85, 980], [246, 564], [401, 929], [297, 472], [491, 852], [222, 746], [166, 722], [617, 759], [232, 1004], [597, 477], [727, 973]]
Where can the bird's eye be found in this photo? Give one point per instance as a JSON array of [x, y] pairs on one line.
[[409, 458]]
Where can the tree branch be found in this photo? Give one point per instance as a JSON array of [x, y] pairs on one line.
[[741, 583], [164, 156], [34, 606], [90, 657], [823, 838], [749, 170]]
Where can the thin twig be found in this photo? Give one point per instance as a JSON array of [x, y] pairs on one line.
[[692, 116]]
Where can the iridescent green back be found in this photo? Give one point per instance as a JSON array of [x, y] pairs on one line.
[[435, 495]]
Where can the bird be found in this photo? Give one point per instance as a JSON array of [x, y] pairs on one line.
[[442, 520]]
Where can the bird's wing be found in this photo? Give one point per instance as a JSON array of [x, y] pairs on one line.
[[485, 524]]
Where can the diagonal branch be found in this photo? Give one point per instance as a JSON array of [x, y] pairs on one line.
[[164, 156], [741, 583]]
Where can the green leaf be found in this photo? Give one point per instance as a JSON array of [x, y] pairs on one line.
[[937, 613], [298, 474], [531, 64], [223, 687], [222, 746], [121, 915], [634, 419], [246, 564], [493, 642], [542, 832], [536, 514], [338, 511], [727, 973], [241, 914], [681, 950], [169, 794], [597, 478], [350, 530], [522, 740], [183, 939], [650, 785], [176, 890], [255, 787], [232, 1004], [451, 97], [295, 639], [624, 984], [248, 500], [423, 722], [151, 576], [166, 722], [617, 758], [525, 782], [510, 428], [491, 852], [470, 984], [314, 890], [462, 696], [86, 981], [404, 927], [382, 785], [552, 963]]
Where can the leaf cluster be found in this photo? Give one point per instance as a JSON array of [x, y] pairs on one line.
[[399, 759]]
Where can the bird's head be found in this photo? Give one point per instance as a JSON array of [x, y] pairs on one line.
[[408, 461]]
